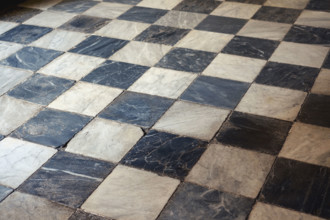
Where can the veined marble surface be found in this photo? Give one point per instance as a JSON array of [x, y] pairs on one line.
[[4, 192], [314, 18], [51, 19], [297, 4], [8, 48], [322, 83], [10, 77], [5, 26], [143, 14], [181, 19], [163, 4], [107, 10], [73, 6], [236, 10]]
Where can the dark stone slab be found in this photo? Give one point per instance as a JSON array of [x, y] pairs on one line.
[[319, 5], [81, 215], [129, 2], [1, 137], [17, 14], [24, 34], [308, 35], [41, 89], [165, 154], [116, 74], [215, 91], [299, 186], [4, 191], [99, 46], [142, 14], [205, 6], [51, 127], [136, 108], [67, 178], [326, 63], [74, 6], [251, 47], [31, 58], [316, 110], [162, 35], [84, 23], [191, 201], [258, 2], [221, 24], [188, 60], [274, 14], [252, 132], [288, 76]]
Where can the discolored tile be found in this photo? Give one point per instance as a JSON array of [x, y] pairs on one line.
[[322, 83], [221, 24], [85, 23], [318, 5], [142, 14], [236, 10], [10, 77], [275, 14], [8, 48], [129, 2], [181, 19], [197, 6], [296, 4], [314, 18], [107, 10], [74, 6], [81, 215], [52, 19], [18, 14], [4, 192], [160, 4], [308, 35]]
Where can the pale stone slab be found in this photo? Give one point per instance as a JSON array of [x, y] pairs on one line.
[[273, 102], [181, 19], [163, 82], [300, 54], [6, 26], [71, 66], [236, 10], [235, 67], [105, 140], [51, 19], [308, 143], [20, 159], [8, 48], [40, 4], [296, 4], [192, 120], [314, 18], [162, 4], [135, 195], [10, 77], [322, 83], [232, 170], [107, 10], [85, 98]]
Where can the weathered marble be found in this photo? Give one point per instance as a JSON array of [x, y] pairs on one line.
[[85, 23], [74, 6], [322, 83], [6, 26], [192, 120], [314, 19], [161, 4], [308, 35], [39, 4], [272, 102], [18, 14], [41, 89], [221, 24], [135, 194], [10, 77], [236, 10], [274, 14], [296, 4], [252, 132], [20, 159], [4, 192], [319, 5], [257, 2], [51, 19], [81, 215], [206, 6], [181, 19], [191, 201], [232, 170], [139, 109], [163, 82], [142, 14], [107, 10], [8, 48], [44, 128], [128, 2]]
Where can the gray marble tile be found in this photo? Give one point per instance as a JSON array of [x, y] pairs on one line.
[[129, 2], [18, 14], [143, 14], [85, 23], [181, 19], [206, 6], [221, 24], [277, 14], [52, 19], [8, 48], [10, 77], [236, 10], [308, 35], [6, 26], [314, 18], [107, 10], [297, 4], [74, 6], [81, 215], [322, 83], [162, 4], [4, 192]]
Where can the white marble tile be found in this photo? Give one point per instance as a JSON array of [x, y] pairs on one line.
[[60, 40], [141, 53], [105, 140], [40, 4], [162, 4], [265, 30], [235, 67], [204, 40], [181, 19], [322, 83], [85, 98], [20, 159], [192, 120], [308, 143], [10, 77], [300, 54], [163, 82], [8, 48], [14, 112], [272, 102], [24, 206], [6, 26], [135, 195], [126, 30], [51, 19], [236, 10], [296, 4], [314, 18], [107, 10], [234, 170], [71, 66]]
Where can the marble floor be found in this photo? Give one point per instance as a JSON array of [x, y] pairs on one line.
[[165, 109]]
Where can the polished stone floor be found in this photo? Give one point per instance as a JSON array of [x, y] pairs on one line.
[[165, 109]]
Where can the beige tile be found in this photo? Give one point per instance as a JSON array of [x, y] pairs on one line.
[[6, 26], [181, 19], [204, 40], [51, 19], [192, 120], [40, 4], [10, 77], [236, 10], [85, 98], [314, 18], [308, 143], [162, 4], [135, 195], [300, 54], [8, 48], [322, 83], [272, 102], [234, 170], [234, 67], [107, 10], [297, 4]]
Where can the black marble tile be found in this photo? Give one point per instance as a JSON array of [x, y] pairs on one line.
[[288, 76], [4, 191], [319, 5], [258, 2], [252, 132], [316, 110], [81, 215], [221, 24], [74, 6], [299, 186], [215, 91], [24, 34], [308, 35], [142, 14], [51, 127], [274, 14], [17, 14], [116, 74], [85, 23], [31, 58], [191, 201], [205, 6], [136, 108], [67, 178], [251, 47], [129, 2], [165, 154], [326, 63], [162, 35], [188, 60], [99, 46], [41, 89], [1, 137]]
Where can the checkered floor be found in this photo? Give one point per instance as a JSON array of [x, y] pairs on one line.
[[165, 109]]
